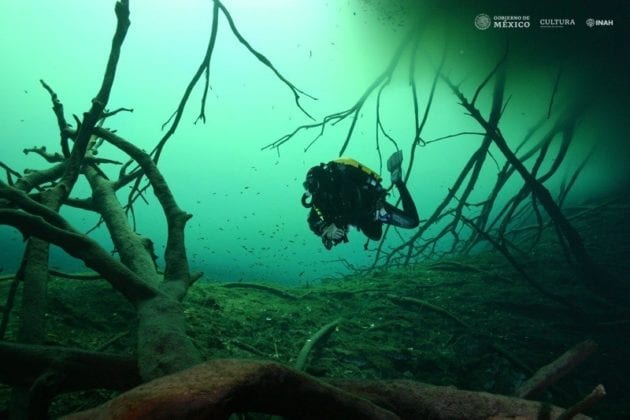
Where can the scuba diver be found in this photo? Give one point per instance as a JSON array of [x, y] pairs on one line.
[[344, 192]]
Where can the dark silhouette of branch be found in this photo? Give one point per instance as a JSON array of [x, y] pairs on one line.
[[590, 271], [48, 225], [435, 216], [108, 114], [206, 62], [61, 119], [566, 186], [57, 157], [21, 199], [554, 91], [473, 166], [92, 117], [23, 364], [418, 130], [177, 115], [573, 309], [419, 125], [34, 179], [503, 176], [382, 80], [463, 133], [381, 129], [264, 60], [490, 75], [10, 173], [567, 137], [50, 157], [204, 68]]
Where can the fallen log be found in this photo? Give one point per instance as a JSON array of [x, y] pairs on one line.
[[218, 388], [551, 373], [215, 389], [24, 364]]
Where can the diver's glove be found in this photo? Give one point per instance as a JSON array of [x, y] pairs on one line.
[[394, 164], [332, 235]]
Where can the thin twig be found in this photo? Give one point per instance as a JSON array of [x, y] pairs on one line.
[[463, 133], [10, 172], [489, 76], [264, 60], [554, 91], [206, 62], [108, 114], [335, 118]]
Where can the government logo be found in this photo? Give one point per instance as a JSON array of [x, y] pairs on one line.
[[482, 21]]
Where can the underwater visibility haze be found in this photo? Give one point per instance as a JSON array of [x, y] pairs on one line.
[[162, 149]]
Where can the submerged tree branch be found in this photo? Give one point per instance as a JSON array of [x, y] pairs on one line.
[[218, 388], [264, 60], [61, 119], [175, 254], [94, 115], [381, 80], [83, 248], [554, 371], [313, 342], [591, 272], [23, 364]]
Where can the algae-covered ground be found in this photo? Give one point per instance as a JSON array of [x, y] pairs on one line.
[[473, 322]]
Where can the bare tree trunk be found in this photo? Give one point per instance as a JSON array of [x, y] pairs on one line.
[[32, 321], [163, 346], [25, 404], [34, 276]]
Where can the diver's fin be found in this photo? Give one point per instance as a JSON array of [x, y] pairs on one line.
[[394, 164]]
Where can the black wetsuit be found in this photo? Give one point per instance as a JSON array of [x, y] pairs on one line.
[[346, 195]]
